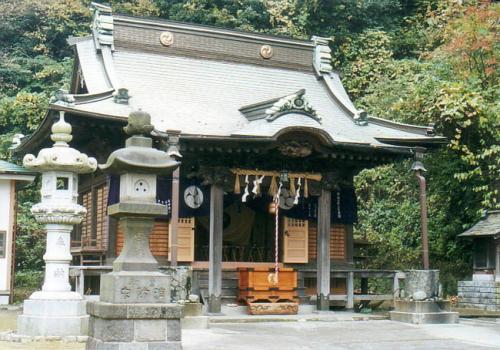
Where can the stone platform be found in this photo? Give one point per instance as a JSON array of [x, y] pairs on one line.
[[53, 318], [482, 295], [423, 312], [134, 326]]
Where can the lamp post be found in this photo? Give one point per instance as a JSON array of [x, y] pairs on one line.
[[418, 168]]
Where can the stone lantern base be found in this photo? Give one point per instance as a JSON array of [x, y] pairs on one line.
[[53, 317], [423, 312], [423, 303], [134, 326]]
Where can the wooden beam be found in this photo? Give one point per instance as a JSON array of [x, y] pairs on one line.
[[350, 244], [323, 250], [215, 249]]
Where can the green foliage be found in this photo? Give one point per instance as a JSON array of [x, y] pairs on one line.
[[33, 27], [30, 236], [246, 14], [28, 279], [22, 112], [366, 59], [473, 127], [25, 283], [39, 74], [448, 85]]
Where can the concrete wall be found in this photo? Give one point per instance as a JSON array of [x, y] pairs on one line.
[[484, 295], [6, 224]]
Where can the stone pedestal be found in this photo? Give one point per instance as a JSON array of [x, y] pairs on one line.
[[192, 317], [423, 312], [135, 287], [53, 318], [422, 284], [422, 303], [134, 326]]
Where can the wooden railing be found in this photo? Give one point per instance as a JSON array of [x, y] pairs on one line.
[[364, 274], [79, 272], [87, 245]]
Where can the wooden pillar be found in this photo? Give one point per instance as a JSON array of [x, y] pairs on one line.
[[350, 245], [350, 291], [323, 250], [215, 252], [395, 286], [80, 287], [112, 232], [497, 262], [174, 218]]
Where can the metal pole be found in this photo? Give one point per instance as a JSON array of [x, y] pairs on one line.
[[174, 219], [173, 152], [423, 219]]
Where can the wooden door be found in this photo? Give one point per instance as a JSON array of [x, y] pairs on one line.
[[295, 241], [185, 240]]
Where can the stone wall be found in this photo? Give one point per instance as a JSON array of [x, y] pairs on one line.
[[484, 295]]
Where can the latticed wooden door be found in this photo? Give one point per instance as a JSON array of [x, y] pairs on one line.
[[185, 240], [295, 242]]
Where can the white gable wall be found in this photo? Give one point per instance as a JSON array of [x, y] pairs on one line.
[[6, 224]]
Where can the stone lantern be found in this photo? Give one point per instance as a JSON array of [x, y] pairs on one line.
[[56, 310], [134, 308]]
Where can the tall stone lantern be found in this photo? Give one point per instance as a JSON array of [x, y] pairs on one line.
[[134, 309], [56, 310]]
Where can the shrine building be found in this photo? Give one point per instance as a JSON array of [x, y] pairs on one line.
[[249, 116]]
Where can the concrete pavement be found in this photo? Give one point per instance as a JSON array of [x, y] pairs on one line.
[[335, 332], [344, 335]]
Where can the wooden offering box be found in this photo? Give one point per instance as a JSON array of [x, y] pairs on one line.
[[255, 285]]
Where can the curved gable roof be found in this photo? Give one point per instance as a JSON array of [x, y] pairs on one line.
[[201, 84]]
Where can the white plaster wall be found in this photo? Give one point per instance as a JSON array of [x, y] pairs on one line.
[[5, 225]]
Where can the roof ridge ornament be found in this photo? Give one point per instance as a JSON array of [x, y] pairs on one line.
[[322, 59], [295, 102], [62, 97], [361, 118], [102, 25], [121, 96]]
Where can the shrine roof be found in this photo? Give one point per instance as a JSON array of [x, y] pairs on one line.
[[11, 168], [10, 171], [210, 82], [489, 225]]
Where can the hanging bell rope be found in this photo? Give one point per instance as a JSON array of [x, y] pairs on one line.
[[273, 278]]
